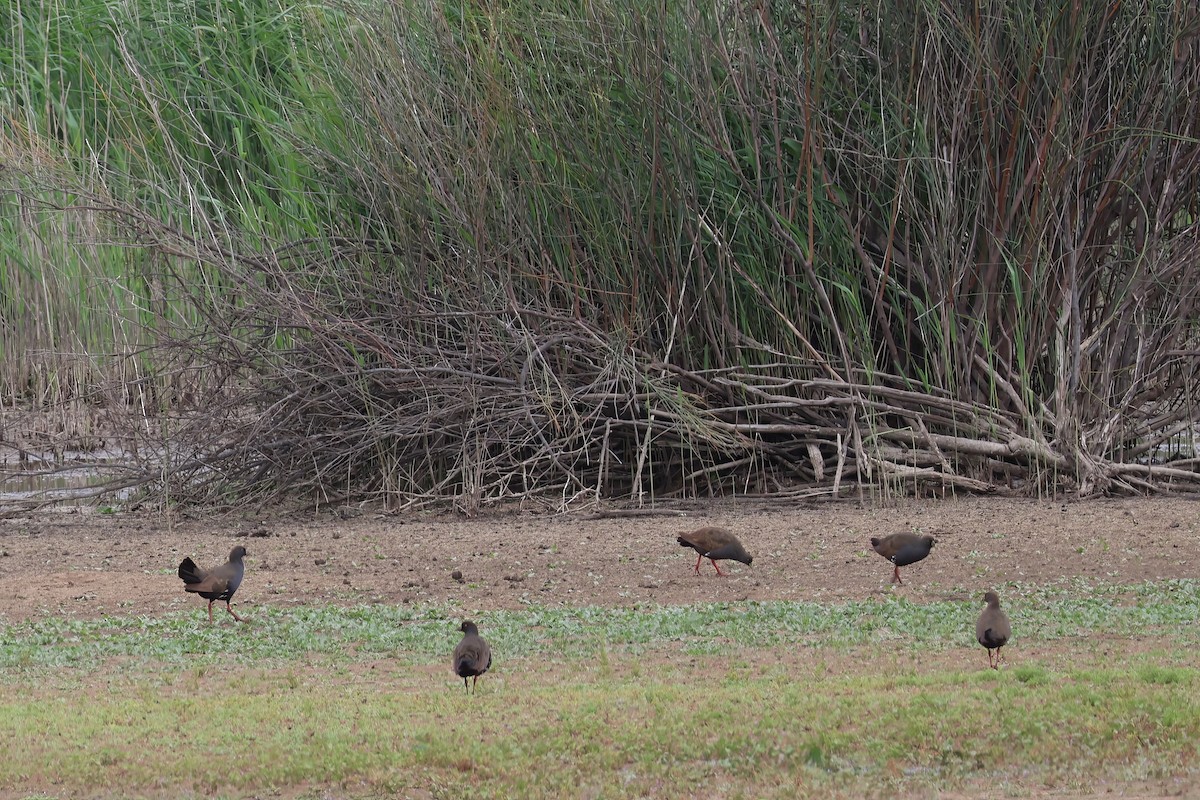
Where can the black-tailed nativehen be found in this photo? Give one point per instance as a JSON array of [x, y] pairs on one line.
[[993, 629], [219, 583], [902, 549], [714, 544], [472, 656]]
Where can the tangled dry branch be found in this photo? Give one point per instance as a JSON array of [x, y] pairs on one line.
[[420, 402]]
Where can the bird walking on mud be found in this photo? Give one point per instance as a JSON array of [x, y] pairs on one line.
[[714, 544], [219, 583], [902, 549]]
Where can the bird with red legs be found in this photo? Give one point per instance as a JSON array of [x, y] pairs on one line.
[[714, 544], [902, 549], [219, 583]]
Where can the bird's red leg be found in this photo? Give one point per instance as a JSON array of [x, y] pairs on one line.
[[210, 602], [896, 576], [699, 558], [229, 608], [718, 569]]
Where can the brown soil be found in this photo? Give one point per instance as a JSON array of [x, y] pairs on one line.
[[86, 563]]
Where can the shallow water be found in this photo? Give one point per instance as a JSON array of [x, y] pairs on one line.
[[71, 477]]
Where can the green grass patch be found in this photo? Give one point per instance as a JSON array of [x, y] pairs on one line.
[[281, 635], [663, 725], [738, 700]]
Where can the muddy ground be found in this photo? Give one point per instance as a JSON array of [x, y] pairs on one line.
[[85, 563]]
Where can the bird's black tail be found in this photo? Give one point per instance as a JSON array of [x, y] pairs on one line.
[[189, 572]]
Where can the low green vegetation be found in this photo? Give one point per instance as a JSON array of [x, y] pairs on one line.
[[418, 634], [1071, 609], [629, 728], [738, 700]]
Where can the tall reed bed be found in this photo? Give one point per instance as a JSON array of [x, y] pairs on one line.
[[192, 115], [433, 248]]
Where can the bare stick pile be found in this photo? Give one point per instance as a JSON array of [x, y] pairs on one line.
[[417, 401]]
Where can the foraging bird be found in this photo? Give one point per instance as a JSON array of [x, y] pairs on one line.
[[902, 549], [993, 629], [472, 656], [714, 544], [217, 584]]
